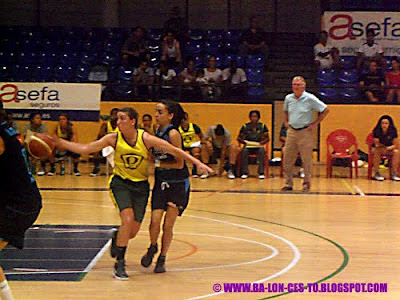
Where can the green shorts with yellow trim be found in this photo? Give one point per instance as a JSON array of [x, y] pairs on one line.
[[126, 193]]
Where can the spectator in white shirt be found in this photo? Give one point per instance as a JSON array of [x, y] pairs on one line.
[[370, 51], [325, 56], [235, 80], [143, 80], [166, 81], [213, 76]]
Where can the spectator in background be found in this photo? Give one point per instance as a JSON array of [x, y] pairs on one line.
[[143, 80], [166, 81], [235, 81], [35, 126], [213, 76], [177, 25], [65, 130], [393, 81], [372, 83], [325, 56], [193, 139], [11, 123], [253, 40], [135, 49], [253, 135], [187, 81], [370, 51], [385, 142], [171, 51], [219, 145], [147, 124], [107, 127]]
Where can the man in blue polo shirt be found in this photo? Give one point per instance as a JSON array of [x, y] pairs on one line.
[[298, 108]]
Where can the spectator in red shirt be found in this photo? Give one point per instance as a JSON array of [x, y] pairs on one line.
[[393, 81]]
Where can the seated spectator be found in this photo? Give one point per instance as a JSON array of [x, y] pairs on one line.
[[393, 82], [147, 124], [66, 131], [135, 49], [219, 145], [193, 139], [282, 139], [166, 81], [187, 80], [11, 123], [372, 83], [171, 51], [253, 40], [370, 51], [35, 126], [143, 80], [385, 142], [213, 76], [253, 135], [105, 128], [235, 81], [325, 56], [177, 25]]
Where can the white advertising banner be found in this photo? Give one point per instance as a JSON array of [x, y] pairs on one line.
[[347, 30], [80, 101]]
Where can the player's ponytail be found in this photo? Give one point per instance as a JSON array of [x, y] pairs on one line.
[[176, 109]]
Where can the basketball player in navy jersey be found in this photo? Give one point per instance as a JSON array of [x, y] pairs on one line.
[[20, 200]]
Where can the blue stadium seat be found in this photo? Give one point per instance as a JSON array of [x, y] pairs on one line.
[[348, 62], [154, 60], [63, 73], [42, 74], [233, 35], [193, 47], [30, 45], [326, 77], [255, 61], [7, 58], [48, 59], [109, 58], [349, 94], [29, 58], [5, 73], [213, 47], [125, 73], [232, 47], [255, 75], [348, 77], [155, 34], [155, 47], [328, 94], [82, 73], [21, 73], [256, 92], [9, 45], [215, 35], [87, 58], [196, 34], [123, 89], [69, 59]]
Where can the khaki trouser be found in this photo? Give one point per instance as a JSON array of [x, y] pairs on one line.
[[298, 141]]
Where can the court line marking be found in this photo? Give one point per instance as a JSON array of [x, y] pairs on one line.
[[358, 190], [342, 250], [95, 260], [295, 260]]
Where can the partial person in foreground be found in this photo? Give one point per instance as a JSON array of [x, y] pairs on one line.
[[20, 200], [129, 184], [386, 142], [298, 115]]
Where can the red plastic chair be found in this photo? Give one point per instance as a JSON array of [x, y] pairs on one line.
[[341, 143], [370, 141], [266, 161]]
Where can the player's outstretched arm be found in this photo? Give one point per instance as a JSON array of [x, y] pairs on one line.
[[84, 149], [160, 144]]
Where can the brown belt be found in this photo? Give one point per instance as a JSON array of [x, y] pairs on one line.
[[298, 128]]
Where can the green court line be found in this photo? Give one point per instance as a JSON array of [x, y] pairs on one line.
[[337, 271]]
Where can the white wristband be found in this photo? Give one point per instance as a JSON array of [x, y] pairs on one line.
[[157, 163]]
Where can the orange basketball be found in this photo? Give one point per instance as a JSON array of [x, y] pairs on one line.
[[40, 145]]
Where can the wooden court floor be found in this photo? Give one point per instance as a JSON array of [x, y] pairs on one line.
[[241, 231]]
